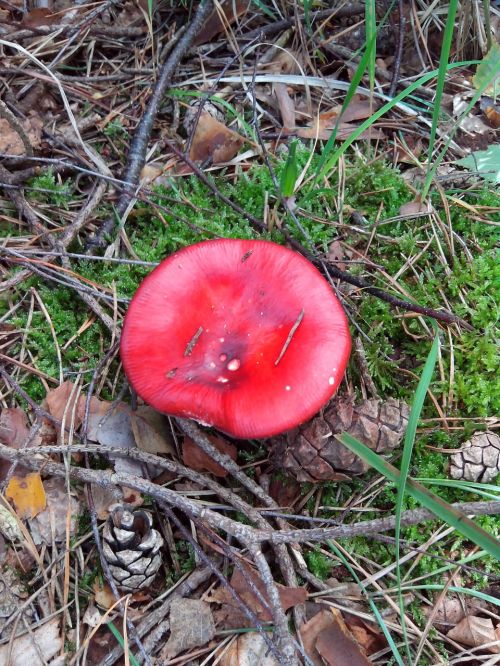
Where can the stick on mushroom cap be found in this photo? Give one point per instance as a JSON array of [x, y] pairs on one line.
[[244, 335]]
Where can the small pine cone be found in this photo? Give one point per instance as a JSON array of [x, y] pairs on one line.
[[132, 548], [478, 459], [311, 452]]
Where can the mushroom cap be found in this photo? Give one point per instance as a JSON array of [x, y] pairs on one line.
[[243, 335]]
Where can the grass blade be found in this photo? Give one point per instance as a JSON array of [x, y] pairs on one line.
[[409, 441], [428, 499]]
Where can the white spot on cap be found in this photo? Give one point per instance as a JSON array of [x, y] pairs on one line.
[[223, 357], [221, 339], [211, 365], [288, 388], [331, 381], [233, 364], [222, 380]]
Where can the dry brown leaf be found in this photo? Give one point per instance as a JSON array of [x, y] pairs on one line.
[[194, 458], [324, 124], [214, 141], [231, 613], [191, 625], [368, 636], [49, 526], [286, 106], [327, 640], [337, 254], [450, 610], [415, 207], [491, 110], [60, 401], [14, 427], [103, 498], [103, 595], [475, 631], [248, 650], [11, 142], [40, 16], [150, 431], [27, 494], [214, 25], [36, 647]]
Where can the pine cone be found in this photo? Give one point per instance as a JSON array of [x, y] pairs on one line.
[[478, 460], [311, 452], [132, 548]]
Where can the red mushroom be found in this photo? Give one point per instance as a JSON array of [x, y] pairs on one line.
[[244, 335]]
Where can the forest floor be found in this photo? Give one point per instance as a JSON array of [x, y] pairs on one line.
[[365, 137]]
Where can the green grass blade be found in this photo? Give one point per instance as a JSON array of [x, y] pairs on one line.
[[325, 164], [356, 80], [370, 601], [290, 172], [409, 441], [442, 71], [487, 490], [428, 499], [371, 40], [120, 640]]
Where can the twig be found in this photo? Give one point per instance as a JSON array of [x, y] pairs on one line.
[[245, 534], [153, 618], [351, 9], [7, 114], [139, 145], [399, 50]]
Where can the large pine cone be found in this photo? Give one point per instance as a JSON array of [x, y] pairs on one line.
[[132, 548], [311, 452]]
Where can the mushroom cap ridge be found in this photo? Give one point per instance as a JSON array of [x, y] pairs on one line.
[[244, 335]]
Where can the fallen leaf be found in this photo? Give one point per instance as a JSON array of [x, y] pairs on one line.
[[39, 16], [450, 610], [214, 141], [11, 142], [61, 401], [324, 124], [485, 162], [36, 647], [191, 625], [414, 207], [49, 525], [113, 429], [14, 427], [286, 105], [248, 650], [14, 432], [337, 254], [103, 595], [231, 9], [231, 612], [327, 640], [103, 498], [487, 76], [491, 110], [194, 458], [92, 616], [27, 494], [367, 635], [150, 431], [475, 631]]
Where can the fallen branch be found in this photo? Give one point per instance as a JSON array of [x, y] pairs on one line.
[[139, 145], [245, 534]]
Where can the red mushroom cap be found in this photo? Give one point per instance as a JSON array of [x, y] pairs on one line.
[[244, 335]]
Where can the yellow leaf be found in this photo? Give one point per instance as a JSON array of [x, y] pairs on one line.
[[28, 494]]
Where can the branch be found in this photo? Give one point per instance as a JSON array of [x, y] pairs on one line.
[[139, 145]]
